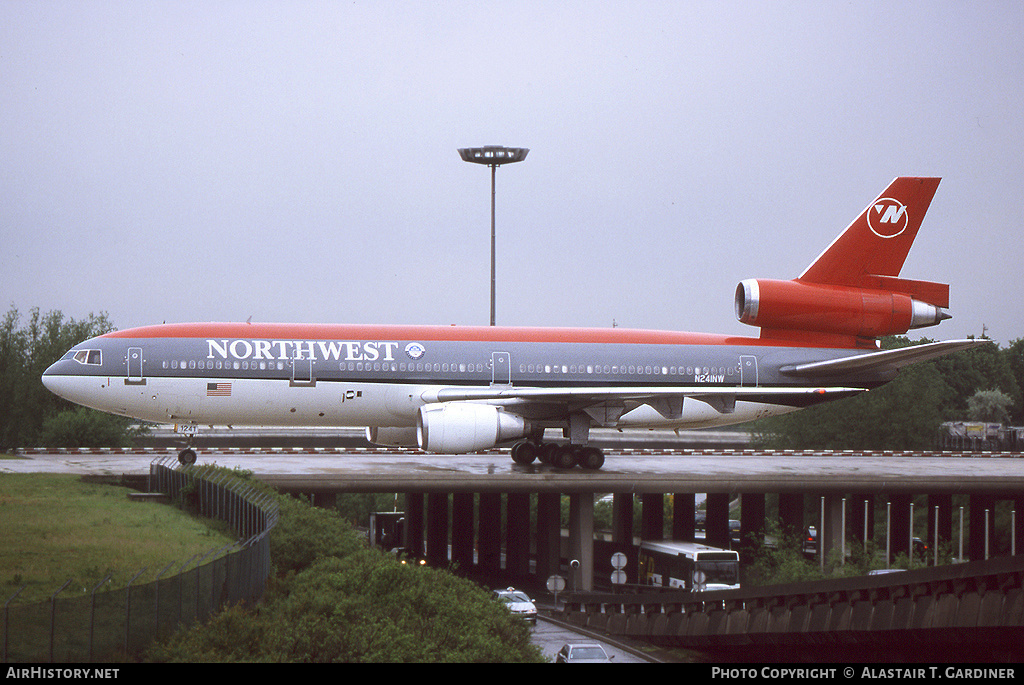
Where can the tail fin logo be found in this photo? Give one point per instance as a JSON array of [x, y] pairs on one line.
[[887, 218]]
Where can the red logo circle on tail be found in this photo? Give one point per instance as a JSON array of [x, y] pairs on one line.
[[887, 218]]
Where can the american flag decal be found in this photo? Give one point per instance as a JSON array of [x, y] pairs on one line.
[[218, 390]]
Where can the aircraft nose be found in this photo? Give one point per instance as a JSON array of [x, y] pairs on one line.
[[54, 381], [49, 379]]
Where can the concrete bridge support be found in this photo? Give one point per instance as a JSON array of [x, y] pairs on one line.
[[716, 524], [437, 529], [791, 513], [489, 534], [1018, 528], [684, 513], [463, 529], [549, 535], [413, 534], [652, 520], [581, 541], [622, 517], [899, 524], [752, 521], [517, 532], [497, 534], [476, 537]]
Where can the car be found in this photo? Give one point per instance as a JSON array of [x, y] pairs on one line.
[[583, 653], [734, 531], [920, 550], [810, 542], [518, 602]]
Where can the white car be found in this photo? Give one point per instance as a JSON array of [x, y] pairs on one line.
[[588, 653], [518, 603]]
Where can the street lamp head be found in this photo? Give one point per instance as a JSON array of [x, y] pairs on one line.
[[493, 155]]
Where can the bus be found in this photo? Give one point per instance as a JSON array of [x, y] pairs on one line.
[[691, 566]]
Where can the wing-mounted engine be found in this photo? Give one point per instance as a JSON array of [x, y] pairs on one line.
[[457, 427], [842, 310]]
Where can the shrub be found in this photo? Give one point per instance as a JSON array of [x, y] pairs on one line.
[[84, 427]]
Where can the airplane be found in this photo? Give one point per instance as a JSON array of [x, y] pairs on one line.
[[462, 389]]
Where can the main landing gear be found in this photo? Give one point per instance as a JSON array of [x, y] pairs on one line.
[[560, 456]]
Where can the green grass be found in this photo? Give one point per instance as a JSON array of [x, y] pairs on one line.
[[55, 528]]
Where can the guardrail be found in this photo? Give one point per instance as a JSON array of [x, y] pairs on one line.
[[115, 624], [976, 603]]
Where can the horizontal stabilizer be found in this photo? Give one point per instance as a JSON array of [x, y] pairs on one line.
[[933, 293], [885, 360]]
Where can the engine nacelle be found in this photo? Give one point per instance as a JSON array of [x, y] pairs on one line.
[[861, 312], [457, 427], [390, 436]]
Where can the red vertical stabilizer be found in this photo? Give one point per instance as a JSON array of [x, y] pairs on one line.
[[852, 293]]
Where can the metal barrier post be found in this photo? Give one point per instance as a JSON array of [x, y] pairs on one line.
[[7, 618], [92, 613], [53, 615], [128, 609]]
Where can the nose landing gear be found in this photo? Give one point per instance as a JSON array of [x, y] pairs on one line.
[[187, 455]]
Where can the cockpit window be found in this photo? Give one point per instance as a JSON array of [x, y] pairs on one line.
[[91, 357]]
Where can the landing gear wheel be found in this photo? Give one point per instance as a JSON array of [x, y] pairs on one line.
[[523, 453], [565, 457], [590, 458], [548, 452], [187, 457]]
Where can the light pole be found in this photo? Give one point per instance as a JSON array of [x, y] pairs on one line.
[[493, 156]]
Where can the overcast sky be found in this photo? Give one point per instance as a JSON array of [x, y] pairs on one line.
[[297, 161]]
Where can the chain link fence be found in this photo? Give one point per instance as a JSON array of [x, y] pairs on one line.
[[116, 624]]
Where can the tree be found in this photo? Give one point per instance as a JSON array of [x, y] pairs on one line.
[[1015, 361], [990, 406], [26, 350], [83, 427], [336, 600], [305, 534], [903, 414]]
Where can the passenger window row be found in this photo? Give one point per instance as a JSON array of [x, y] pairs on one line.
[[93, 357], [614, 370], [210, 365]]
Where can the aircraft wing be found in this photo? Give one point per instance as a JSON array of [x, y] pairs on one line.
[[884, 360], [666, 400]]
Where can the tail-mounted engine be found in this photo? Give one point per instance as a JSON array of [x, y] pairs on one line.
[[457, 427], [842, 310]]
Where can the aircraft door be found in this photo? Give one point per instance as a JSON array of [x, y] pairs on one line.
[[134, 360], [501, 368], [302, 373], [748, 370]]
